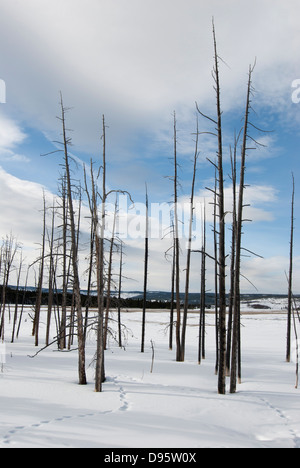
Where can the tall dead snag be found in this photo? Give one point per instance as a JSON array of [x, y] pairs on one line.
[[65, 263], [177, 247], [172, 292], [290, 282], [100, 268], [221, 262], [295, 312], [145, 273], [74, 251], [36, 323], [109, 276], [216, 277], [239, 227], [51, 277], [8, 252], [119, 295], [222, 254], [17, 299], [189, 251], [98, 234], [232, 265], [201, 348]]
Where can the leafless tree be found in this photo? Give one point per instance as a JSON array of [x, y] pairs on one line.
[[17, 299], [177, 247], [119, 295], [109, 276], [74, 251], [221, 215], [239, 226], [189, 251], [36, 323], [9, 250], [145, 273], [290, 278], [233, 158], [201, 347]]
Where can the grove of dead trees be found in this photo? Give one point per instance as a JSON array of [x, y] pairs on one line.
[[58, 268]]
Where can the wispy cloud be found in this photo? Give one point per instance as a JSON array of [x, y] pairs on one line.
[[11, 137]]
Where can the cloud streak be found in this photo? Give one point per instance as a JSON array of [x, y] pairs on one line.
[[138, 61]]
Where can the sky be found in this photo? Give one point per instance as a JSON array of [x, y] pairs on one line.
[[137, 62]]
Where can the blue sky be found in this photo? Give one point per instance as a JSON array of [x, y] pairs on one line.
[[137, 62]]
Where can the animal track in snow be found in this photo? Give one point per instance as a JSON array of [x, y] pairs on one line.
[[281, 415], [7, 440], [123, 399]]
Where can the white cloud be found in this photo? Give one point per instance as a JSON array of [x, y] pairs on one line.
[[11, 136], [20, 205], [260, 198], [269, 274], [138, 61], [10, 133]]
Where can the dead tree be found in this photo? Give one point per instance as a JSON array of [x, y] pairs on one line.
[[232, 265], [290, 278], [221, 215], [201, 348], [171, 326], [74, 251], [222, 254], [109, 276], [216, 276], [189, 252], [145, 273], [23, 302], [119, 295], [177, 247], [17, 299], [36, 323], [100, 268], [65, 263], [51, 276], [8, 252], [295, 312], [239, 226], [97, 231]]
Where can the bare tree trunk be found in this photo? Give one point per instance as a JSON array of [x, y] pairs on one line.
[[119, 296], [189, 251], [222, 254], [100, 273], [9, 250], [17, 301], [145, 273], [109, 277], [290, 282], [65, 268], [23, 303], [239, 227], [172, 295], [216, 278], [76, 283], [232, 267], [51, 275], [90, 275], [40, 284], [201, 348], [177, 248]]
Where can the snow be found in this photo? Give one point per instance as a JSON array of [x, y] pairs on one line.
[[177, 405]]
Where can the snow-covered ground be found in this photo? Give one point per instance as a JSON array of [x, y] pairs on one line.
[[41, 404]]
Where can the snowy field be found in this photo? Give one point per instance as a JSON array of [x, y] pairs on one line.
[[41, 405]]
